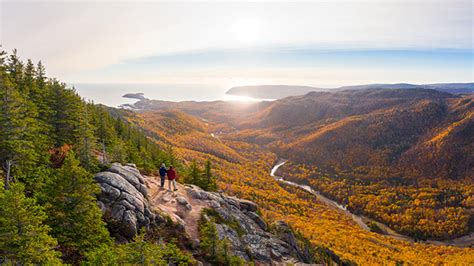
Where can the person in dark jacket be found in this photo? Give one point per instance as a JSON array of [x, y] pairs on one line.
[[163, 171], [171, 178]]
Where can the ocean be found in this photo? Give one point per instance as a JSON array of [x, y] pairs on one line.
[[111, 94]]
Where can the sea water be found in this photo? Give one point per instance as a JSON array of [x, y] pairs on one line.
[[111, 94]]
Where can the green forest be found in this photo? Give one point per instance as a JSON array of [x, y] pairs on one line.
[[51, 144]]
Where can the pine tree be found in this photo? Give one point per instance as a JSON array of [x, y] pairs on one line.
[[24, 237], [75, 218]]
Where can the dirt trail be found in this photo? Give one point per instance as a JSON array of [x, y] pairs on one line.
[[166, 201]]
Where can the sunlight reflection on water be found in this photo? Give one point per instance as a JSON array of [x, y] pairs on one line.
[[241, 98]]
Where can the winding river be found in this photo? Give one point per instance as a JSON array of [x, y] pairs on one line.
[[464, 241]]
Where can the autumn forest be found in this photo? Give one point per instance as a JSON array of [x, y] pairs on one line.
[[402, 159]]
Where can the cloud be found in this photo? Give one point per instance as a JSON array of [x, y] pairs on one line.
[[89, 39]]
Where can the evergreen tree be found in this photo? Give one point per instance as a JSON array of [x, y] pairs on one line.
[[41, 96], [118, 152], [202, 178], [28, 77], [194, 174], [172, 159], [139, 252], [42, 142], [67, 109], [210, 182], [18, 130], [85, 140], [104, 132], [75, 218], [24, 237], [15, 68]]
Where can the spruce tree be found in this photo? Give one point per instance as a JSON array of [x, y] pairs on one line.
[[118, 152], [65, 118], [18, 131], [85, 140], [41, 95], [194, 174], [24, 237], [73, 214], [104, 132], [210, 182], [28, 78], [15, 69], [42, 141]]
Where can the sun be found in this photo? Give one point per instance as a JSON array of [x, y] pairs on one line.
[[246, 31]]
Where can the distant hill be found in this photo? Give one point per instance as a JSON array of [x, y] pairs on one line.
[[446, 87], [424, 132], [282, 91], [271, 91]]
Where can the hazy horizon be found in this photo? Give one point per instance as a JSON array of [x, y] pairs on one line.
[[111, 94]]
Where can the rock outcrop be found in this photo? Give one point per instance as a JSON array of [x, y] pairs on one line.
[[124, 201], [128, 207], [247, 233]]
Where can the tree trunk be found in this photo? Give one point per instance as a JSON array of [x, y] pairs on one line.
[[8, 167]]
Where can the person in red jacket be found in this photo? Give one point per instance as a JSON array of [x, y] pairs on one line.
[[171, 178]]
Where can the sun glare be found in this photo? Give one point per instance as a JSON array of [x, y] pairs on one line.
[[246, 31], [240, 98]]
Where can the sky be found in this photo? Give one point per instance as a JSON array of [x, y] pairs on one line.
[[316, 43]]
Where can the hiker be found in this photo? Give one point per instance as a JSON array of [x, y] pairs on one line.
[[171, 178], [163, 171]]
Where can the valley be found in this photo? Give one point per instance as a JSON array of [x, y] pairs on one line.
[[245, 140], [363, 221]]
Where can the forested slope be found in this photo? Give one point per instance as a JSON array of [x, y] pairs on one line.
[[378, 128], [249, 178], [51, 141], [403, 157]]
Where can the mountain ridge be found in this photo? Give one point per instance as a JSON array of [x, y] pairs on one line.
[[282, 91]]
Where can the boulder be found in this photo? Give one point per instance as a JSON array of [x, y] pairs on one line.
[[182, 200], [124, 201]]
